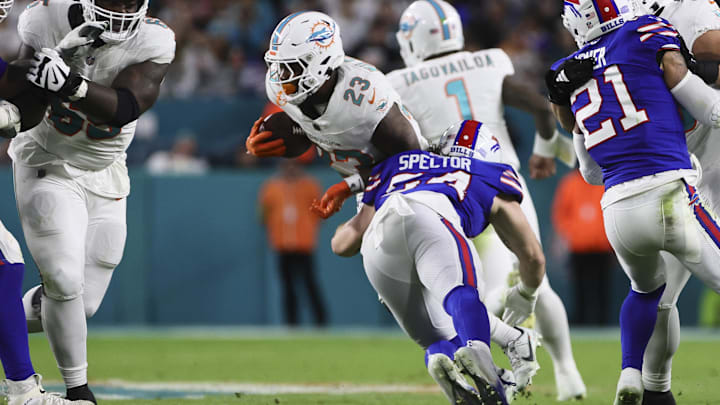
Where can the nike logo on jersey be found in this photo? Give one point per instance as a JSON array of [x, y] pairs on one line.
[[372, 99]]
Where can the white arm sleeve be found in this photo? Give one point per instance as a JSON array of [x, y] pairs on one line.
[[699, 99], [591, 172]]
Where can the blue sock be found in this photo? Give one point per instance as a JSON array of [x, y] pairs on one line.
[[441, 346], [637, 321], [469, 314], [14, 352]]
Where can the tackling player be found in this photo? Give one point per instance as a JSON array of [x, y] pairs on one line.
[[419, 211], [632, 141], [71, 180], [441, 84], [344, 106]]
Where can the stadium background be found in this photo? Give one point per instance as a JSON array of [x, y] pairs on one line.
[[196, 252]]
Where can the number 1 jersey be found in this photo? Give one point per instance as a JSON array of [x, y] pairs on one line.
[[630, 120], [469, 184]]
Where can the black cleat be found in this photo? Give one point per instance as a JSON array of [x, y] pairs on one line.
[[658, 398]]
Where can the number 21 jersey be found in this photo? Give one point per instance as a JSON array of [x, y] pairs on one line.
[[630, 120]]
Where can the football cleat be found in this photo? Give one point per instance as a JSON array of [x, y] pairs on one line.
[[31, 392], [475, 360], [523, 360], [456, 388], [630, 388]]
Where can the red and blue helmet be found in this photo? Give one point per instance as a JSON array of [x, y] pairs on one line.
[[589, 19]]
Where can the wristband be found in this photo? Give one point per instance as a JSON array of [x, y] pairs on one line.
[[545, 147], [81, 92], [355, 183], [527, 292]]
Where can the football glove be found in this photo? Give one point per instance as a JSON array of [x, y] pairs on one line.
[[76, 43], [568, 77], [518, 305], [332, 200], [261, 145], [9, 120], [50, 72]]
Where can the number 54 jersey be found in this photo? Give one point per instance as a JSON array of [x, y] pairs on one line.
[[66, 136], [469, 185], [630, 120]]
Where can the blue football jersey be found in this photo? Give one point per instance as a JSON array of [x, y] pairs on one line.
[[469, 184], [631, 121]]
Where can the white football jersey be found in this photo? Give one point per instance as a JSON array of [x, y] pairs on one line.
[[460, 86], [693, 18], [66, 136], [361, 99]]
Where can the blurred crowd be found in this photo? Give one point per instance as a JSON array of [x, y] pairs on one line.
[[221, 43]]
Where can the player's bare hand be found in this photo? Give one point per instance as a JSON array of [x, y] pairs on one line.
[[518, 306], [332, 200], [262, 144], [541, 167]]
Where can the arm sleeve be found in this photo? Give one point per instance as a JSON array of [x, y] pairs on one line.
[[591, 172], [700, 100]]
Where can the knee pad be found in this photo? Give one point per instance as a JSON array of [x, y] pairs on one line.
[[107, 243], [39, 214], [62, 284]]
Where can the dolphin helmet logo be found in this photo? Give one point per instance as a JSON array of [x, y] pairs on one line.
[[322, 34]]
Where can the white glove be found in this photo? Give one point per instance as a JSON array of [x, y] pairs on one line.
[[9, 120], [519, 305], [48, 71], [76, 43]]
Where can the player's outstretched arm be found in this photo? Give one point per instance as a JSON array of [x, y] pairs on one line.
[[510, 224], [706, 50], [348, 237], [701, 101]]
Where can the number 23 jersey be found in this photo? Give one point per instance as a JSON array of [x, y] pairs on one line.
[[361, 99], [630, 120], [66, 135]]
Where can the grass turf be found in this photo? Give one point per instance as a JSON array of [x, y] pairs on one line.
[[315, 359]]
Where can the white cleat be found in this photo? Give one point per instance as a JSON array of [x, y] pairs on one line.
[[456, 388], [569, 384], [523, 360], [475, 360], [630, 388], [31, 392]]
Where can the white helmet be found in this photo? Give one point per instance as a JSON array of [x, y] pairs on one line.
[[654, 7], [122, 25], [427, 28], [589, 19], [5, 6], [468, 139], [304, 49]]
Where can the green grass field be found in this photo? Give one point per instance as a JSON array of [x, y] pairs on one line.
[[243, 369]]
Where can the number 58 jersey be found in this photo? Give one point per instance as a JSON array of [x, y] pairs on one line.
[[470, 185], [66, 136], [630, 120]]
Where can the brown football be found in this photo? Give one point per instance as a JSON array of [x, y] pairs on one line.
[[283, 127]]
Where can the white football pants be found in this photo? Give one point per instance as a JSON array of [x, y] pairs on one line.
[[76, 239], [413, 258]]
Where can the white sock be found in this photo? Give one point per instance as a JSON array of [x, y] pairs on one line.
[[553, 326], [663, 344], [501, 333], [66, 329]]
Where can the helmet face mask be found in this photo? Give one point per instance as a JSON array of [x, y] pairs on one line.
[[587, 20], [654, 7], [429, 28], [5, 6], [123, 25], [305, 48], [469, 139]]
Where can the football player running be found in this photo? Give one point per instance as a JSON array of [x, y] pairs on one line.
[[419, 211], [344, 106], [71, 181], [443, 83], [630, 138], [22, 385]]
